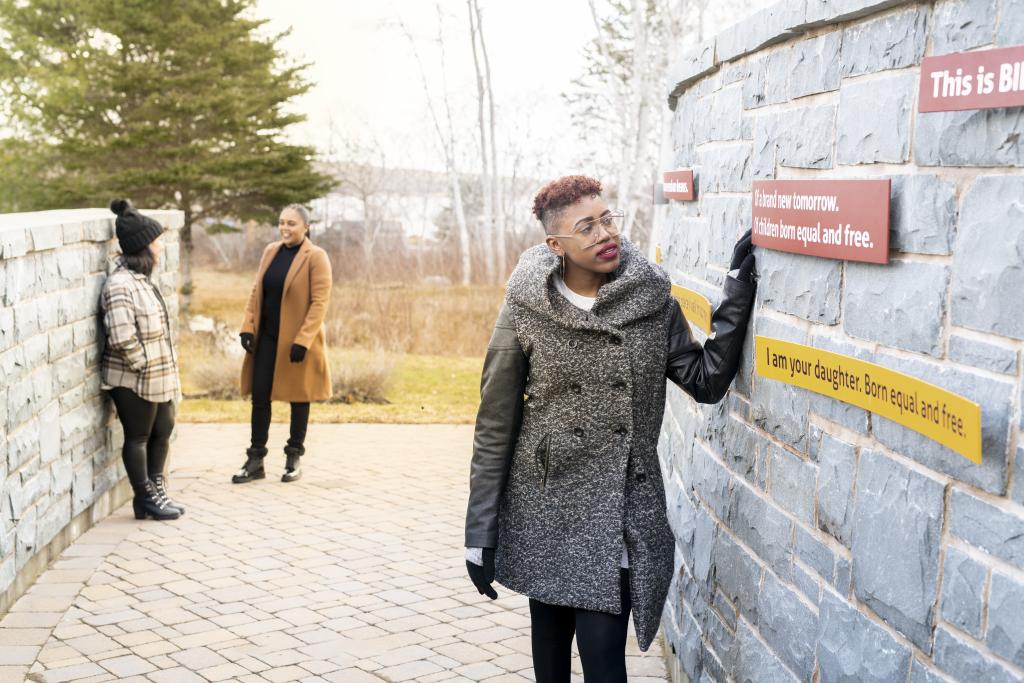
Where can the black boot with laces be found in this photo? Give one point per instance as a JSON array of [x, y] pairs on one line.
[[253, 467], [292, 469], [160, 482], [149, 503]]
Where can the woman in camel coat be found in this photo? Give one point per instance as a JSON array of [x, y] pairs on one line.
[[283, 335]]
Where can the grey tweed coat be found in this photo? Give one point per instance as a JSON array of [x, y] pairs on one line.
[[565, 467]]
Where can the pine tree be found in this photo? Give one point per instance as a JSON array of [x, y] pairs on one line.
[[174, 104]]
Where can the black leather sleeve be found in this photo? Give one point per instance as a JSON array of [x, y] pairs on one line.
[[706, 372], [497, 429]]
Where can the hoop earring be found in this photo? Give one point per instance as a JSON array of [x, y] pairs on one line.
[[563, 266]]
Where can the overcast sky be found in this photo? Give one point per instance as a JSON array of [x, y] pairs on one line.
[[368, 82]]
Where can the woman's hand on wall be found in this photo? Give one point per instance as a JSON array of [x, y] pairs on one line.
[[743, 258]]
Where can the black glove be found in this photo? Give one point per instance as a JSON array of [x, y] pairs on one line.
[[298, 353], [482, 577], [743, 258], [248, 340]]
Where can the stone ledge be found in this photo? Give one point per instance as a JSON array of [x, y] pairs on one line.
[[766, 27], [692, 65], [26, 233], [774, 24], [821, 12]]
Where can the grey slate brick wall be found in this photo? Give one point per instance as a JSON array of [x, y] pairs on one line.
[[59, 446], [816, 541]]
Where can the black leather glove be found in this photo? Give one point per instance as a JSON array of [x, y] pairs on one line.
[[298, 353], [743, 258], [248, 341], [483, 577]]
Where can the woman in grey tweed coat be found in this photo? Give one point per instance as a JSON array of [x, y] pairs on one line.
[[567, 504]]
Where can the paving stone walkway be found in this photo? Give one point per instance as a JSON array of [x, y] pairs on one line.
[[354, 574]]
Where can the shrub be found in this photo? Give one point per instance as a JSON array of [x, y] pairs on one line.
[[207, 370], [443, 321], [362, 379], [215, 378]]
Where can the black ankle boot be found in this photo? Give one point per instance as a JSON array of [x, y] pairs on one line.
[[149, 503], [160, 482], [292, 470], [253, 467]]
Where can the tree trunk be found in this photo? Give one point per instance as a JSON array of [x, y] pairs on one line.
[[486, 191], [185, 260], [447, 143], [460, 217], [637, 124], [367, 240], [496, 186]]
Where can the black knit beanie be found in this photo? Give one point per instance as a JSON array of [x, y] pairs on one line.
[[134, 231]]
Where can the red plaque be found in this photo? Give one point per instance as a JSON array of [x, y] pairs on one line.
[[838, 219], [679, 184], [972, 80]]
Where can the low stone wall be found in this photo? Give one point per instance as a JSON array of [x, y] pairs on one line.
[[817, 541], [60, 458]]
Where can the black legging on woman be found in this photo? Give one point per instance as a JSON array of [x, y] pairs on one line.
[[147, 430], [600, 637], [262, 384]]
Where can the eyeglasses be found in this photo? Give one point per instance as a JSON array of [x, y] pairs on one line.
[[590, 232]]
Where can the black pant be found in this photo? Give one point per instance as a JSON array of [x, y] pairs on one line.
[[600, 636], [147, 432], [262, 384]]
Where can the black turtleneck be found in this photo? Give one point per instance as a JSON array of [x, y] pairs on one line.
[[273, 289]]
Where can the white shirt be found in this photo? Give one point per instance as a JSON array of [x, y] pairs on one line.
[[578, 300]]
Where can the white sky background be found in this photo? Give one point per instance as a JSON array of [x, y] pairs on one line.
[[368, 82]]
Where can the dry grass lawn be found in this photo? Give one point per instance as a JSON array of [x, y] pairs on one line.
[[424, 390], [434, 339]]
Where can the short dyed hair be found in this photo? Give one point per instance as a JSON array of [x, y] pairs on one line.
[[560, 193]]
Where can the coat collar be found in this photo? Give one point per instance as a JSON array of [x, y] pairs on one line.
[[305, 248], [636, 290]]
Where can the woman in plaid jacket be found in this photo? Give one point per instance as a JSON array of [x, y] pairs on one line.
[[139, 367]]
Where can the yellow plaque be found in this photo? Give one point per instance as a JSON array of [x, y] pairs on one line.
[[696, 307], [940, 415]]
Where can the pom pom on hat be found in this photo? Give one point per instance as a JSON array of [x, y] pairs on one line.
[[119, 206]]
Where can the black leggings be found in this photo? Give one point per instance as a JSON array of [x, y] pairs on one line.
[[600, 636], [262, 384], [147, 432]]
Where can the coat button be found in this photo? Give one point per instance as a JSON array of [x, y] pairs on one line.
[[621, 431], [578, 432], [575, 388], [640, 476], [618, 384], [615, 341]]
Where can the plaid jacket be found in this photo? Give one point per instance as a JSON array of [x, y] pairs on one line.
[[139, 353]]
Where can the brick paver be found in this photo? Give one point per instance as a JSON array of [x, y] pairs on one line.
[[354, 573]]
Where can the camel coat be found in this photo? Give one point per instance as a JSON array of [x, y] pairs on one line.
[[307, 293]]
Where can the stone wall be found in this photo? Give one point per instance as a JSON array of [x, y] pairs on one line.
[[817, 541], [60, 461]]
